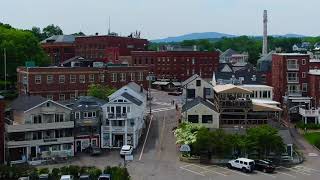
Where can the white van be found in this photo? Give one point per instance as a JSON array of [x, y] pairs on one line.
[[244, 164]]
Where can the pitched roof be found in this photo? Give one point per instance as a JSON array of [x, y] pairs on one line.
[[196, 101], [286, 136], [265, 107], [24, 102], [134, 86], [230, 88], [85, 103], [228, 52], [60, 39], [190, 79], [131, 98]]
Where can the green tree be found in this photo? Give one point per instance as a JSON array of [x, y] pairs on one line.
[[36, 31], [100, 91], [186, 133], [51, 30], [79, 34]]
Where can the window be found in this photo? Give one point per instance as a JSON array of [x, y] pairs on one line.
[[58, 118], [37, 119], [193, 61], [193, 71], [303, 74], [77, 115], [140, 77], [56, 147], [122, 77], [206, 118], [49, 79], [82, 78], [61, 79], [73, 78], [72, 96], [198, 83], [37, 79], [193, 118], [191, 93], [304, 87], [292, 64], [132, 76], [66, 146], [265, 94], [292, 77], [114, 77], [91, 77], [101, 77], [89, 114], [62, 97], [207, 91], [303, 62], [50, 97]]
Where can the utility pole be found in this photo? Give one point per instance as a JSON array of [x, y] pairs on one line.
[[5, 68]]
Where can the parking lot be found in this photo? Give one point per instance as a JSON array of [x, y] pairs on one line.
[[221, 172]]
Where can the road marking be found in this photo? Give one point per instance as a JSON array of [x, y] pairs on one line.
[[145, 140], [308, 168], [287, 174], [233, 171], [209, 169], [192, 171], [294, 170], [258, 172]]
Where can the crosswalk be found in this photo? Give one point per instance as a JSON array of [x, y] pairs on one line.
[[296, 172], [161, 109]]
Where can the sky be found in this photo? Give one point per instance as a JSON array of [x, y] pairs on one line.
[[164, 18]]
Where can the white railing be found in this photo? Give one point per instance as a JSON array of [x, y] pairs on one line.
[[294, 93], [309, 113], [38, 127]]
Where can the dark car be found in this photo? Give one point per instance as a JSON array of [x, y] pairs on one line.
[[84, 177], [265, 166], [175, 93], [93, 150]]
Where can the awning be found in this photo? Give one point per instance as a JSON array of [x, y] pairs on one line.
[[265, 107], [230, 88]]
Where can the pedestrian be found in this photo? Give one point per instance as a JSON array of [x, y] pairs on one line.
[[173, 102]]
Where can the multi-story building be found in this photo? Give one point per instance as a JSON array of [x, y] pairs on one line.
[[261, 94], [195, 87], [59, 48], [290, 77], [87, 114], [104, 47], [38, 129], [63, 83], [232, 56], [177, 65], [123, 118], [2, 129]]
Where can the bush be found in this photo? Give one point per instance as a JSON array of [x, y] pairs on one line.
[[43, 171], [74, 170], [301, 125], [55, 173], [317, 143], [94, 172]]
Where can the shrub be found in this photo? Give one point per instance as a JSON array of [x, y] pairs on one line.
[[43, 171], [94, 172], [74, 170], [317, 143], [301, 125], [55, 173]]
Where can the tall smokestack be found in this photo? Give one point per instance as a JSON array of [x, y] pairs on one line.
[[265, 33]]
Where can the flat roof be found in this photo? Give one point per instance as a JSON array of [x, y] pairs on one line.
[[230, 88], [256, 86], [291, 54], [314, 60], [265, 107], [265, 101]]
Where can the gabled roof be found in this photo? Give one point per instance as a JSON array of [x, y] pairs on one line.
[[228, 52], [190, 79], [265, 107], [85, 103], [286, 136], [226, 68], [196, 101], [24, 102], [230, 88], [134, 86], [131, 98]]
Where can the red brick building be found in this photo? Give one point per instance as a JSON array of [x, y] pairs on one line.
[[178, 65], [290, 75], [59, 48], [314, 86], [314, 64], [2, 124], [99, 48], [62, 83]]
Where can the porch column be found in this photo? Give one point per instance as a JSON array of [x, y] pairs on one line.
[[126, 132], [27, 153], [110, 133], [305, 120], [134, 136]]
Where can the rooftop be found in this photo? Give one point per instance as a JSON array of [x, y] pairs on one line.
[[314, 60], [291, 54], [59, 39], [314, 72], [255, 86], [230, 88]]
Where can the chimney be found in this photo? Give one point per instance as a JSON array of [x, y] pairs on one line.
[[265, 33]]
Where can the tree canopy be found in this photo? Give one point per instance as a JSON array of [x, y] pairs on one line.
[[51, 30], [100, 91]]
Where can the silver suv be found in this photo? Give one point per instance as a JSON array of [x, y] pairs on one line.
[[244, 164]]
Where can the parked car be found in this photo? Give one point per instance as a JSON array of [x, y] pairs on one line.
[[24, 178], [264, 165], [175, 93], [244, 164], [44, 177], [126, 150], [104, 177], [84, 177], [93, 150], [66, 177]]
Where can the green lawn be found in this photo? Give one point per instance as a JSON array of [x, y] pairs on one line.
[[312, 137]]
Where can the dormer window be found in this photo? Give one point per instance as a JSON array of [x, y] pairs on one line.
[[48, 104]]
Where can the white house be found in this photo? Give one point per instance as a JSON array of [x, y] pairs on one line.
[[39, 129], [195, 87], [202, 112], [261, 94], [123, 117]]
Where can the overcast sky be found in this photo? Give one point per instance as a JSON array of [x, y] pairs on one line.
[[163, 18]]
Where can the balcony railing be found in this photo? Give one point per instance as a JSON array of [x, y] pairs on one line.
[[238, 103], [309, 113], [294, 93], [293, 66], [38, 127], [293, 79], [117, 115], [46, 141]]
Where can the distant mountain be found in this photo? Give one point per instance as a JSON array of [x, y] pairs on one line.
[[193, 36], [213, 35]]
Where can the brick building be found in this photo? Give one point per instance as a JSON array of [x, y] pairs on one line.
[[178, 65], [59, 48], [106, 47], [290, 77], [2, 108], [314, 86], [62, 83]]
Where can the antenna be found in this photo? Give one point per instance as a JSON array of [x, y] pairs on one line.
[[109, 31]]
